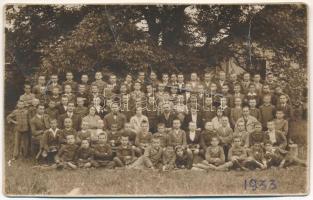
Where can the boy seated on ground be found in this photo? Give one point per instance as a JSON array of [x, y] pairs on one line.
[[182, 160], [214, 158], [256, 158], [84, 155], [276, 157], [65, 158], [51, 141], [168, 158], [84, 133], [152, 157], [103, 153], [125, 154], [237, 154]]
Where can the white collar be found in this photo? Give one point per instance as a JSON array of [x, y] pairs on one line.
[[53, 130]]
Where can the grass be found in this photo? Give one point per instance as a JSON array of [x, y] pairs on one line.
[[22, 179]]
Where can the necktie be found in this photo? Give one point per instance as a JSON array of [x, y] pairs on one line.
[[245, 120]]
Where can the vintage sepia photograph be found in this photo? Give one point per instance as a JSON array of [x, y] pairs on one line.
[[163, 100]]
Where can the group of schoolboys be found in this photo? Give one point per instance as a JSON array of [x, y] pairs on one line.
[[218, 123]]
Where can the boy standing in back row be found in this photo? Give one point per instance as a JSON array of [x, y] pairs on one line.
[[19, 117]]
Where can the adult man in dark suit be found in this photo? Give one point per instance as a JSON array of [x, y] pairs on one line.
[[195, 117], [285, 107], [76, 119], [114, 117], [62, 107], [167, 116]]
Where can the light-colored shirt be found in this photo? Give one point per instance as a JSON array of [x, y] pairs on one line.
[[192, 135], [135, 121], [194, 118], [70, 114], [272, 136], [54, 132]]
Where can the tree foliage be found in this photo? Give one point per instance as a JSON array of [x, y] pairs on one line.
[[84, 38]]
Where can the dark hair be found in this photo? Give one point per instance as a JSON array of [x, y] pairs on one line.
[[160, 124], [125, 135], [279, 110], [144, 122], [64, 96]]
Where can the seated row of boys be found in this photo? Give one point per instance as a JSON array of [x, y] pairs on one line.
[[92, 125], [219, 150]]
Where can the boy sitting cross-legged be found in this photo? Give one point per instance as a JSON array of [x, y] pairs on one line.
[[182, 160], [103, 153], [256, 158], [125, 154], [84, 155], [214, 158], [277, 157], [152, 157], [168, 158], [237, 154], [66, 155]]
